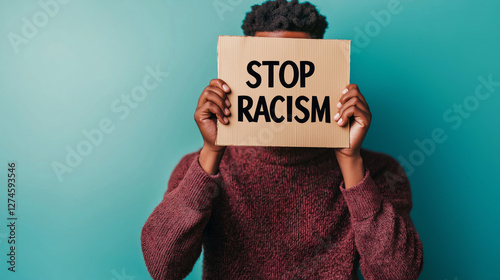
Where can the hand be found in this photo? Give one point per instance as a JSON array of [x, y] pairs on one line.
[[354, 109], [212, 105]]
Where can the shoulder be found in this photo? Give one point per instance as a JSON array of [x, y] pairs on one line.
[[189, 157], [182, 166], [387, 173], [378, 161], [383, 167]]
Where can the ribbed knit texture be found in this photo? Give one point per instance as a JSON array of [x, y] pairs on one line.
[[283, 213]]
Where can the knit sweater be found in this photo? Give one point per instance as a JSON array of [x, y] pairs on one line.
[[283, 213]]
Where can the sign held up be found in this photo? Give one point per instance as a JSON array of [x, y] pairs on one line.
[[284, 91]]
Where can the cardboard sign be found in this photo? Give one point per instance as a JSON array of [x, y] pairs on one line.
[[284, 91]]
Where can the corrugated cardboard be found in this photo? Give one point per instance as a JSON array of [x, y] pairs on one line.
[[331, 59]]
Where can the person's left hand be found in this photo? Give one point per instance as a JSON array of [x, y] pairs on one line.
[[353, 108]]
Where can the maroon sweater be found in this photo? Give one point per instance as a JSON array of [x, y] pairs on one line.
[[283, 213]]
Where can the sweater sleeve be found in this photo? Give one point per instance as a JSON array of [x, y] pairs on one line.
[[171, 237], [385, 237]]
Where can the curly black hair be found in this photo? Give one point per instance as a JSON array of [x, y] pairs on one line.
[[281, 15]]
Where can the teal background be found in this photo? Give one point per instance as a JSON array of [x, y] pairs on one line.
[[65, 79]]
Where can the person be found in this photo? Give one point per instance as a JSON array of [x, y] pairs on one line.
[[284, 212]]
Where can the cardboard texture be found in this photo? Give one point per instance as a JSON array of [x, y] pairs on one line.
[[282, 90]]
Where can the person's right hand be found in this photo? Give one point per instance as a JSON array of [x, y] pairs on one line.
[[212, 105]]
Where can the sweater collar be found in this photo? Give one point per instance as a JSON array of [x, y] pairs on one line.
[[283, 155]]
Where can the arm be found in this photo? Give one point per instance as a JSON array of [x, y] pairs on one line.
[[378, 201], [380, 205], [171, 237]]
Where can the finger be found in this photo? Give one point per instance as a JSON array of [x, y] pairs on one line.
[[221, 88], [355, 101], [211, 96], [219, 92], [351, 91], [220, 84], [209, 109], [361, 117]]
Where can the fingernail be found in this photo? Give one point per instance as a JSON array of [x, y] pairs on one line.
[[228, 104], [339, 105], [340, 121], [225, 87], [345, 91], [336, 116], [226, 120], [226, 111]]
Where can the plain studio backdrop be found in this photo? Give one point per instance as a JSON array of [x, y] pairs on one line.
[[95, 147]]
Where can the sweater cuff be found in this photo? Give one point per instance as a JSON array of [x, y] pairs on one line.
[[363, 199], [198, 188]]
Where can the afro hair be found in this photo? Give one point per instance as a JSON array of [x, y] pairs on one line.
[[281, 15]]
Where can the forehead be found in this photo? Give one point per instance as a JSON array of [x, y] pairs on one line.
[[283, 34]]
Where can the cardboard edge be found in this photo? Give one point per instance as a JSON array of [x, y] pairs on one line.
[[348, 56], [217, 141]]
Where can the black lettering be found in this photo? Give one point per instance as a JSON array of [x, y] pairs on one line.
[[295, 74], [256, 75], [302, 108], [321, 111], [289, 107], [303, 73], [243, 110], [271, 65], [261, 110], [273, 108]]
